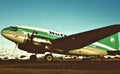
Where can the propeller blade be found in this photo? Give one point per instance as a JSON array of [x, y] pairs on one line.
[[32, 35]]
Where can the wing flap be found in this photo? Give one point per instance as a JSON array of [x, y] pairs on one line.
[[80, 40]]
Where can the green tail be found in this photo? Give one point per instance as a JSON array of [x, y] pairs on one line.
[[110, 43]]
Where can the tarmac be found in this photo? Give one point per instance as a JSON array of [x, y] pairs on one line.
[[60, 67]]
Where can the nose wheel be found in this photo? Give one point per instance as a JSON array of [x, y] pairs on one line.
[[49, 57]]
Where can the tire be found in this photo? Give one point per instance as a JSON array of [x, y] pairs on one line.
[[33, 58], [49, 57]]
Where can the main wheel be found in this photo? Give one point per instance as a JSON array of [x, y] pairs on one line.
[[33, 58], [48, 57]]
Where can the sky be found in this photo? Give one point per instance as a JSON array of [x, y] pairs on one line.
[[66, 16]]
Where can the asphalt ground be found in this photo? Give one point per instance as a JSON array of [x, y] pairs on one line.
[[59, 67]]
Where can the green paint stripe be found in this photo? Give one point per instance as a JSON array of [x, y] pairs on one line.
[[40, 33]]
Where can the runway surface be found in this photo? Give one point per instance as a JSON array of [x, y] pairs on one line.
[[59, 67]]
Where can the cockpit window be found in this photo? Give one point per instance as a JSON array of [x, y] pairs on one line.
[[13, 28]]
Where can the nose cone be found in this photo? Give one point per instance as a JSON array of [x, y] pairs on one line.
[[11, 34], [7, 34], [4, 33]]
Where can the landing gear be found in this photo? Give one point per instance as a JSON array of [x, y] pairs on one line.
[[49, 57], [33, 58]]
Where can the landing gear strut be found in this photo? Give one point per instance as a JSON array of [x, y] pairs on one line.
[[33, 58], [49, 57]]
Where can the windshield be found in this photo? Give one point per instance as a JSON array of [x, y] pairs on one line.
[[14, 28]]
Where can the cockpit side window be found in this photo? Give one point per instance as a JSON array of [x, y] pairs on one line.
[[14, 28]]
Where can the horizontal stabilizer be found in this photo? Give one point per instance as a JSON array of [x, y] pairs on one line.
[[80, 40]]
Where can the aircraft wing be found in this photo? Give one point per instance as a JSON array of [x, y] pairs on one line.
[[80, 40]]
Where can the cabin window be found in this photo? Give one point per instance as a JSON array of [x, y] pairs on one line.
[[35, 32], [52, 33], [65, 35], [57, 34], [61, 34]]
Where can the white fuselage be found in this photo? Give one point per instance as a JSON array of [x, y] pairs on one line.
[[19, 37]]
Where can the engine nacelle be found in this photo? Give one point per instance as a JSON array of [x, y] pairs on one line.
[[39, 41], [35, 45], [31, 48]]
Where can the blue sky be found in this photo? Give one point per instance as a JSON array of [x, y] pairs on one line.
[[67, 16]]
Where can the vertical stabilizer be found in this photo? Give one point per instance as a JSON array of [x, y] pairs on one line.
[[110, 43]]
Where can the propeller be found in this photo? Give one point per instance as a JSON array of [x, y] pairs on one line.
[[32, 35]]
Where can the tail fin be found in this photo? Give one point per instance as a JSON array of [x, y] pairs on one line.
[[110, 43]]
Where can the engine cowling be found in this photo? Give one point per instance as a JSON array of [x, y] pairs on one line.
[[31, 48], [36, 45], [39, 41]]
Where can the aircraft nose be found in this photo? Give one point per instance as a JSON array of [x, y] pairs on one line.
[[4, 33], [11, 34]]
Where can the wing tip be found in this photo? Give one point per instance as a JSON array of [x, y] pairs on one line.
[[116, 24]]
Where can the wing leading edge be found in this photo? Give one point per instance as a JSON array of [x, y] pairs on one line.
[[80, 40]]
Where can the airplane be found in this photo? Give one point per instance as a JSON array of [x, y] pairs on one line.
[[98, 42]]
